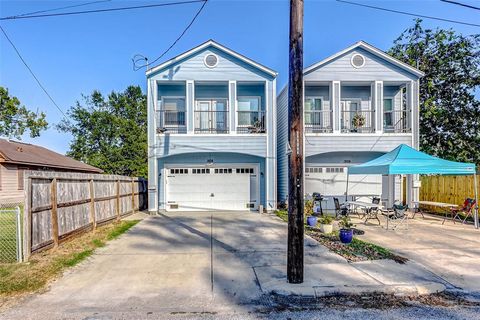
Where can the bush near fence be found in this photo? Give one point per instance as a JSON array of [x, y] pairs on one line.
[[447, 189], [61, 205]]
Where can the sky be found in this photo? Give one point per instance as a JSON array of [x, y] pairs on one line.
[[74, 55]]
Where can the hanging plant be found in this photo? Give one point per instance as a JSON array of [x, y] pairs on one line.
[[358, 120]]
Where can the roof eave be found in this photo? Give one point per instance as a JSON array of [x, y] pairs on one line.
[[97, 170], [200, 47], [369, 48]]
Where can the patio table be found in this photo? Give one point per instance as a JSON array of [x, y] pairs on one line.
[[444, 205], [369, 214]]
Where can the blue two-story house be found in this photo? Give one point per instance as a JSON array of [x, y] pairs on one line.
[[211, 132], [358, 104]]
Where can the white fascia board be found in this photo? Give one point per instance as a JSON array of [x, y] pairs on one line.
[[371, 49]]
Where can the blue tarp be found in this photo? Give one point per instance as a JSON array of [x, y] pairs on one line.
[[406, 160]]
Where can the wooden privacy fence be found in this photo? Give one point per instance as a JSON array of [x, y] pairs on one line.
[[60, 205], [448, 189]]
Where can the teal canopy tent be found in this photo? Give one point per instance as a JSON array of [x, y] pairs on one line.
[[406, 160]]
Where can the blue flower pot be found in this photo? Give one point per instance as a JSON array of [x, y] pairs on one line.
[[346, 235], [312, 221]]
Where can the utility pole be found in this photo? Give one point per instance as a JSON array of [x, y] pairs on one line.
[[295, 138]]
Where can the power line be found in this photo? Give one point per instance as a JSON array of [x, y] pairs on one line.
[[135, 60], [461, 4], [409, 13], [101, 10], [33, 74], [56, 9]]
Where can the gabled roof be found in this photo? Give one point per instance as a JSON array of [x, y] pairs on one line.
[[212, 43], [373, 50], [29, 154]]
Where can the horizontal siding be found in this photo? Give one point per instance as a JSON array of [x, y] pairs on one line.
[[228, 68], [332, 143], [282, 137], [178, 144], [375, 69], [9, 184]]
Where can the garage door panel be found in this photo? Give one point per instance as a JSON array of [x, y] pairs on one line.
[[214, 189], [332, 183]]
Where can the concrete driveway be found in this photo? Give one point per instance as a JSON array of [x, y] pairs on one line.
[[193, 263], [451, 251]]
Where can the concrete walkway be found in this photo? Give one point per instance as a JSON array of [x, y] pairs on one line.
[[204, 262], [452, 251]]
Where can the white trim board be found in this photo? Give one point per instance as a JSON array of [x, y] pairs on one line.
[[371, 49], [219, 47]]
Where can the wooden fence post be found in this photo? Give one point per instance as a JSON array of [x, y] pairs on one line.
[[118, 199], [93, 217], [53, 200], [133, 195], [27, 221]]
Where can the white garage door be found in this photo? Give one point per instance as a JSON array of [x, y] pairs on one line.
[[190, 188], [332, 181]]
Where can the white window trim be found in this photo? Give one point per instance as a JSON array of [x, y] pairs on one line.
[[353, 56], [205, 60], [184, 104], [259, 98]]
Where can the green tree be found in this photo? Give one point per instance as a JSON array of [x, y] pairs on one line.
[[449, 108], [110, 133], [15, 119]]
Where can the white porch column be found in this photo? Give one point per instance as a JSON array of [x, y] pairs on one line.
[[377, 99], [412, 94], [190, 105], [409, 190], [270, 160], [232, 109], [335, 98], [152, 146]]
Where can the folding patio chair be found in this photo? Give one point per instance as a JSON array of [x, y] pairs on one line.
[[340, 209], [466, 209], [397, 216], [372, 213]]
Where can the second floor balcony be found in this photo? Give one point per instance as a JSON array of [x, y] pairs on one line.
[[356, 107], [214, 108]]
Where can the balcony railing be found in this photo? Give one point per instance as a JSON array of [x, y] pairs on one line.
[[397, 121], [171, 121], [251, 122], [318, 121], [211, 121], [358, 121]]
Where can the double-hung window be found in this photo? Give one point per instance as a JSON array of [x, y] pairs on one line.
[[171, 115], [251, 118], [313, 111], [388, 113]]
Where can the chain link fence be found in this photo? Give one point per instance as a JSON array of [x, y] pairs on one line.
[[11, 232]]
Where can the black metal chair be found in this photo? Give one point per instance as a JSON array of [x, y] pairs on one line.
[[340, 209]]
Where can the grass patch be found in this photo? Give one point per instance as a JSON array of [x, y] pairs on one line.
[[122, 228], [31, 276], [357, 250]]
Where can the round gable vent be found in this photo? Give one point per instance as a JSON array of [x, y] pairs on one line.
[[358, 60], [211, 60]]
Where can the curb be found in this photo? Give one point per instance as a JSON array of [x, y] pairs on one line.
[[325, 291]]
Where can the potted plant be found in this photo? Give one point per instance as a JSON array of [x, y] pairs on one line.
[[346, 231], [358, 121], [326, 224], [308, 209]]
